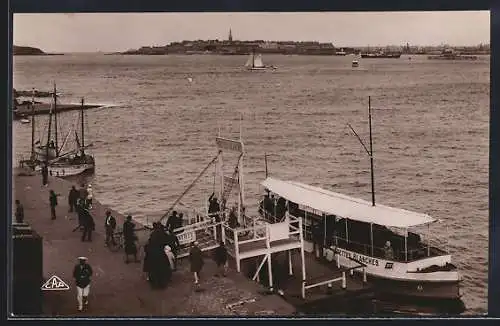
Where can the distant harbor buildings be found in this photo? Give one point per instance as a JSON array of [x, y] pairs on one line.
[[232, 46]]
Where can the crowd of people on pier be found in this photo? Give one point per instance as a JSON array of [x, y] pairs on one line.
[[160, 250]]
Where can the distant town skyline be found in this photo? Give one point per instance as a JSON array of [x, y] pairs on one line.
[[110, 32]]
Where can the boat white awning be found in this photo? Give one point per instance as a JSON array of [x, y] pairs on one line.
[[345, 206]]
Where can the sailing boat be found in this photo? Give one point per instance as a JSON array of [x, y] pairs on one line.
[[73, 162], [255, 62]]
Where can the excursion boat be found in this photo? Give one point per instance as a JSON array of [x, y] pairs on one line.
[[346, 230], [355, 63]]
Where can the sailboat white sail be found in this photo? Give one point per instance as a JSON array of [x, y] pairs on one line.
[[255, 62], [249, 61]]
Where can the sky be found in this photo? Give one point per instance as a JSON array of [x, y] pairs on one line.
[[109, 32]]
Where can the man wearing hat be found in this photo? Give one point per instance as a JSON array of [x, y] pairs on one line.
[[82, 273]]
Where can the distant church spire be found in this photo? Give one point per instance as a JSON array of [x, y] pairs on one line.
[[230, 35]]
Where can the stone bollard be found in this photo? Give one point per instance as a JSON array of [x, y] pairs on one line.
[[344, 281]]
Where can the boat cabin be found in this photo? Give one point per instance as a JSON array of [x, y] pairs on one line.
[[336, 220]]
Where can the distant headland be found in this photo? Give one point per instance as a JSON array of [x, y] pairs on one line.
[[236, 47], [28, 50]]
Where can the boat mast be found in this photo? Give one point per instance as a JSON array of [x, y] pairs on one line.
[[33, 125], [265, 159], [48, 136], [55, 120], [371, 150], [83, 132], [253, 58]]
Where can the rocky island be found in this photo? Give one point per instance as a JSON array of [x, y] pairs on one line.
[[28, 50]]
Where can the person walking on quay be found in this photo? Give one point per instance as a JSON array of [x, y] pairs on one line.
[[53, 203], [79, 207], [90, 195], [82, 274], [220, 257], [109, 226], [88, 225], [196, 261], [83, 192], [130, 238], [157, 265], [19, 212], [45, 175], [72, 198]]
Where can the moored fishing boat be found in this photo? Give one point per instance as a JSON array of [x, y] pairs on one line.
[[73, 162], [346, 230]]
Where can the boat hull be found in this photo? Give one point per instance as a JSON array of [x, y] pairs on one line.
[[67, 170], [393, 278], [417, 289], [261, 68]]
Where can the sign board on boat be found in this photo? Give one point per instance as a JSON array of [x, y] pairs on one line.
[[186, 237], [230, 145], [362, 258]]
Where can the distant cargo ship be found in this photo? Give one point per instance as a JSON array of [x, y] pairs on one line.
[[392, 55], [448, 54]]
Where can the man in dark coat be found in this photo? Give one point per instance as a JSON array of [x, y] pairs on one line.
[[88, 225], [171, 221], [179, 221], [213, 206], [82, 274], [129, 239], [83, 192], [220, 257], [196, 261], [109, 226], [157, 265], [45, 175], [80, 207], [19, 212], [53, 204], [72, 198]]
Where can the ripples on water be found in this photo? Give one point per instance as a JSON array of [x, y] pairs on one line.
[[430, 123]]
